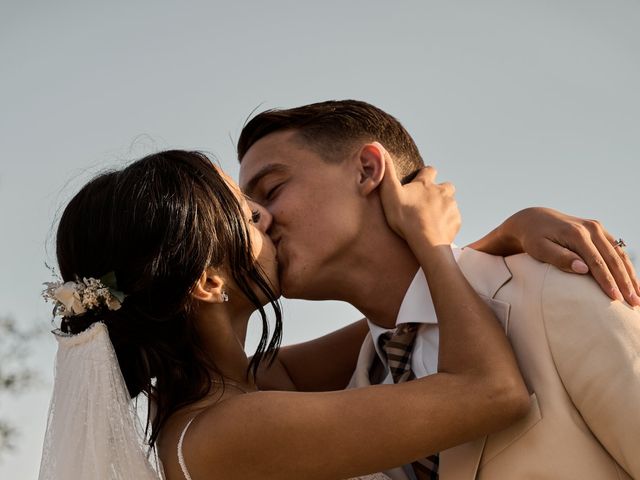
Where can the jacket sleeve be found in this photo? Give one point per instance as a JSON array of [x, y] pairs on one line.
[[595, 343]]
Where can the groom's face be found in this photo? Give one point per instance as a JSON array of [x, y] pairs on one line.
[[313, 208]]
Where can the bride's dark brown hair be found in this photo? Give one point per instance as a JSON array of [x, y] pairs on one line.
[[157, 224]]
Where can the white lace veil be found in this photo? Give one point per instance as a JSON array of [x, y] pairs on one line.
[[93, 431]]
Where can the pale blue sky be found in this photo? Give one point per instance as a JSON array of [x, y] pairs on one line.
[[518, 103]]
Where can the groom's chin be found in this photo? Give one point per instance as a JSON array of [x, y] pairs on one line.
[[296, 291], [285, 291], [296, 284], [290, 289]]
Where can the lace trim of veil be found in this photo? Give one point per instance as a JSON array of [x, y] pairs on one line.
[[92, 429]]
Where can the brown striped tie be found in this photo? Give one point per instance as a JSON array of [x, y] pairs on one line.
[[398, 347]]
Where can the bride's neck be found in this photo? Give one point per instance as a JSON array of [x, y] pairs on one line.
[[223, 335]]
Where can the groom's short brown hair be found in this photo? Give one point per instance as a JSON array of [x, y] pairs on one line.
[[332, 127]]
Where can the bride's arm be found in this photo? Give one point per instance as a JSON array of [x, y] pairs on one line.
[[548, 235], [304, 366], [572, 244]]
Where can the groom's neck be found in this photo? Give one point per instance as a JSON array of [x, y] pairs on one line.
[[384, 281]]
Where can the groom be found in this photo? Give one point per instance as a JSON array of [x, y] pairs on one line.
[[315, 169]]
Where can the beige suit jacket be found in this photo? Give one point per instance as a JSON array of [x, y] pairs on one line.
[[579, 354]]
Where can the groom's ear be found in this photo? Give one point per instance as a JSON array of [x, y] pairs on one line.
[[370, 167]]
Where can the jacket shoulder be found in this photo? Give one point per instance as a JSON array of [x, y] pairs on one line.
[[595, 345]]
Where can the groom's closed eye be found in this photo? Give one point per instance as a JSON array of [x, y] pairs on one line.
[[272, 191], [268, 188]]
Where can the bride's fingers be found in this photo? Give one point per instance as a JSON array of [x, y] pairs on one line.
[[448, 187], [390, 184], [612, 268], [624, 257], [426, 174]]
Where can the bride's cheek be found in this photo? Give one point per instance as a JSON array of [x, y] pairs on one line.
[[257, 244]]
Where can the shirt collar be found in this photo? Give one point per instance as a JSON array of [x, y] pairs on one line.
[[417, 306]]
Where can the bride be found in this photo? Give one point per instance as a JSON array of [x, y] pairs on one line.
[[162, 264]]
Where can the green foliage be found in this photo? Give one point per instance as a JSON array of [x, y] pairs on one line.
[[15, 374]]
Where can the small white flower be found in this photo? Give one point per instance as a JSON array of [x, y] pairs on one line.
[[67, 294], [75, 298]]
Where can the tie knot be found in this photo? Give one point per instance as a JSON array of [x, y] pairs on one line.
[[397, 347]]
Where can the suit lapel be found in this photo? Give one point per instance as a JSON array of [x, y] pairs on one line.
[[461, 462], [486, 274]]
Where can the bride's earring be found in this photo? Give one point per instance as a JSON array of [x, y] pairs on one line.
[[225, 297]]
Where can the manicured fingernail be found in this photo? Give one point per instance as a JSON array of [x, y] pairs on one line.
[[635, 299], [616, 294], [579, 266]]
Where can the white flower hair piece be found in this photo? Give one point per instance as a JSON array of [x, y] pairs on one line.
[[76, 298]]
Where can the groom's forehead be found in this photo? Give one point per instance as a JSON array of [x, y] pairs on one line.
[[277, 152]]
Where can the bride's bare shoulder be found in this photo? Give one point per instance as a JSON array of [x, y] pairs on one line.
[[203, 438]]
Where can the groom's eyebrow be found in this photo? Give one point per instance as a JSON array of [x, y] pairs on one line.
[[260, 174]]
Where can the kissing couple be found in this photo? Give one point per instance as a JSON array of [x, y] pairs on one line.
[[515, 357]]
